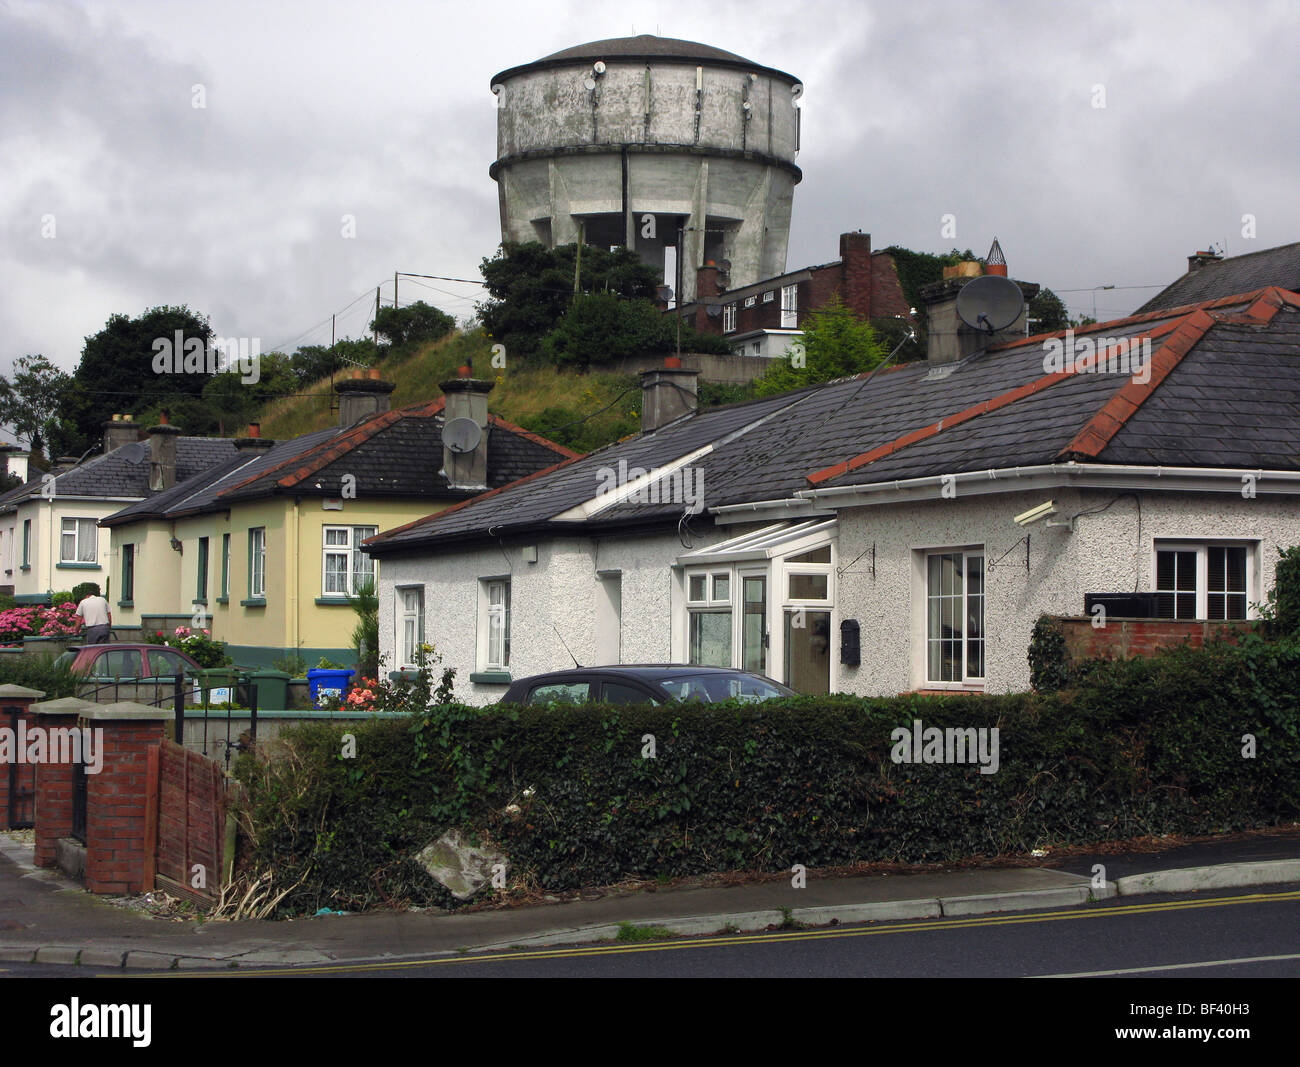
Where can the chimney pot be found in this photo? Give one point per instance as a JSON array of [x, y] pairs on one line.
[[254, 429]]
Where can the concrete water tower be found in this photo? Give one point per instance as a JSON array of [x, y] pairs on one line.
[[640, 141]]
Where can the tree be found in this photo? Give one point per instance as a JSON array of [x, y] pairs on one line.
[[120, 369], [1049, 312], [413, 324], [836, 344], [30, 403], [530, 287]]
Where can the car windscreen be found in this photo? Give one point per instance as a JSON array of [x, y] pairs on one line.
[[714, 688]]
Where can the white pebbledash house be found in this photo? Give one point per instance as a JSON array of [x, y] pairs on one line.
[[895, 532]]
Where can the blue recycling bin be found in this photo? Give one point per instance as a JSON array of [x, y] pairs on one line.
[[328, 681]]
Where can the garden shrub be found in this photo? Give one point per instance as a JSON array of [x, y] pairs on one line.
[[1142, 746]]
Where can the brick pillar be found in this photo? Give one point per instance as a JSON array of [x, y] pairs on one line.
[[117, 853], [24, 774], [54, 780]]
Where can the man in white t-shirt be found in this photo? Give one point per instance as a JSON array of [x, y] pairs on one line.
[[95, 618]]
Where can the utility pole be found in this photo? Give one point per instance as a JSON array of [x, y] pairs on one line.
[[577, 262], [394, 290], [374, 330]]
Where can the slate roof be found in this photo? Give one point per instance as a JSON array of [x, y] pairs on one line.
[[1237, 274], [124, 472], [393, 454], [1223, 391]]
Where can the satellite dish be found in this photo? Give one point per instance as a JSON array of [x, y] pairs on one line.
[[462, 435], [135, 452], [990, 303], [599, 66], [724, 266], [589, 83], [796, 90]]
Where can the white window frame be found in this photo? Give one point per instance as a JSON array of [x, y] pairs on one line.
[[256, 562], [769, 296], [764, 553], [789, 307], [494, 624], [409, 602], [353, 557], [729, 318], [968, 680], [1201, 548], [81, 540]]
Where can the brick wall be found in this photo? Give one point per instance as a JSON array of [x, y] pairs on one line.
[[866, 281], [1122, 638]]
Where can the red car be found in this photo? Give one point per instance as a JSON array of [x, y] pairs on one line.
[[120, 661]]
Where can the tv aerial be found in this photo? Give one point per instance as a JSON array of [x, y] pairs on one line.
[[462, 435], [990, 303]]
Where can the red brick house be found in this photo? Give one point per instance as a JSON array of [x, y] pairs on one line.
[[762, 319]]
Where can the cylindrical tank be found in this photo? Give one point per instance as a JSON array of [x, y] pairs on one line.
[[651, 143]]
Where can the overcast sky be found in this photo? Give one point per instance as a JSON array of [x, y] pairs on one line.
[[382, 110]]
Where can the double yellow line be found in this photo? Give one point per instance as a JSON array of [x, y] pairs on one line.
[[1094, 911]]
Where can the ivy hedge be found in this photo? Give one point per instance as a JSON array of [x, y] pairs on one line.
[[1142, 746]]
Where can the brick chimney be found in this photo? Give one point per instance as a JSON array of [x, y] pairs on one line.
[[855, 272], [121, 431], [667, 393], [707, 291], [162, 454], [466, 398], [360, 398], [1199, 259]]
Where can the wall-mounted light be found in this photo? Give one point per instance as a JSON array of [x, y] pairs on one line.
[[530, 553]]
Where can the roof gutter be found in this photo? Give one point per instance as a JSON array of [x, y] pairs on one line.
[[1081, 475]]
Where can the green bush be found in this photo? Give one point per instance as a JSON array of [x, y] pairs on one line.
[[38, 672], [61, 598], [82, 590], [1146, 746]]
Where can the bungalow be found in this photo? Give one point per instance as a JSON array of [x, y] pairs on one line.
[[50, 538], [898, 531], [267, 545]]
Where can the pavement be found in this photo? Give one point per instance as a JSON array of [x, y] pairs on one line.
[[44, 918]]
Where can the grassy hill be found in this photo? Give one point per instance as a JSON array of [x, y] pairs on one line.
[[582, 411]]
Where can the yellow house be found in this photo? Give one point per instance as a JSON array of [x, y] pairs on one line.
[[265, 549], [50, 537]]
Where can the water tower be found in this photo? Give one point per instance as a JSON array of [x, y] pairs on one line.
[[646, 142]]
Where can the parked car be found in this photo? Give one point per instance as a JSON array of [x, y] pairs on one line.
[[126, 660], [644, 684]]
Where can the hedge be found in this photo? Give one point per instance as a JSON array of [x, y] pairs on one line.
[[1145, 746]]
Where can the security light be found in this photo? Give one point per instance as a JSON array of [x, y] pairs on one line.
[[1027, 518]]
